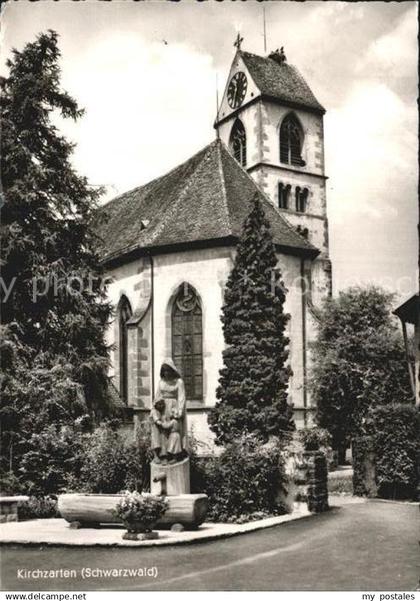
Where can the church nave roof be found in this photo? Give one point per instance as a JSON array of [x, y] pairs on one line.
[[204, 200]]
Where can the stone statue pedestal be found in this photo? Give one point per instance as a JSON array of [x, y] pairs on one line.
[[170, 479]]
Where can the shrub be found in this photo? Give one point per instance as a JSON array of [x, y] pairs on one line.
[[315, 438], [51, 457], [110, 464], [138, 456], [199, 463], [134, 507], [38, 508], [40, 407], [397, 441], [246, 481], [385, 460], [10, 484], [65, 459]]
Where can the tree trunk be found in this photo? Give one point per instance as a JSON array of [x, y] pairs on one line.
[[87, 509], [341, 454]]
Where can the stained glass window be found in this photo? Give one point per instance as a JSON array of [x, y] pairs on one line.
[[124, 314], [187, 341]]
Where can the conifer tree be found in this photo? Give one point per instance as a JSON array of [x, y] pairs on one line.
[[253, 382], [54, 309]]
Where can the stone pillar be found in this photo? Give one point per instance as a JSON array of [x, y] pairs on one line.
[[307, 473], [317, 481], [364, 470]]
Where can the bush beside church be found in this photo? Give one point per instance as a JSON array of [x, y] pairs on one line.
[[386, 457]]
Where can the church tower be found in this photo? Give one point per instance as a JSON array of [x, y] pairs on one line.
[[273, 125]]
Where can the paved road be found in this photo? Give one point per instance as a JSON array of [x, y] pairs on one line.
[[370, 546]]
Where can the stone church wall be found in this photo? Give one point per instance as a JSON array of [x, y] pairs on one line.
[[312, 125], [206, 271]]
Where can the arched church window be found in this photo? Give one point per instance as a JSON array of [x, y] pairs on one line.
[[284, 195], [237, 142], [187, 340], [301, 199], [291, 141], [124, 314]]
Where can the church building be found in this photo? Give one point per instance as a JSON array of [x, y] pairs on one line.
[[169, 245]]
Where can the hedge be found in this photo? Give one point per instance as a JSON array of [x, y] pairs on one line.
[[393, 441], [246, 481], [397, 429]]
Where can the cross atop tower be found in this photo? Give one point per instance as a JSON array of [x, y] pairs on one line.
[[238, 41]]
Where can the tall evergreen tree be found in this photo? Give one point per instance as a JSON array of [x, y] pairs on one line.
[[54, 309], [253, 382]]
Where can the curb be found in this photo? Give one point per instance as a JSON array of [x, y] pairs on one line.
[[378, 500], [242, 529]]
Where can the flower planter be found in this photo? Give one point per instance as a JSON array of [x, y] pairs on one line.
[[140, 513], [139, 531]]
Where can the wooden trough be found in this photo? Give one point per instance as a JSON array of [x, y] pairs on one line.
[[90, 510]]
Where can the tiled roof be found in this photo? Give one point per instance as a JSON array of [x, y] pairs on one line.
[[281, 80], [207, 198]]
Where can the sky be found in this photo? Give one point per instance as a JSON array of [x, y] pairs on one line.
[[146, 74]]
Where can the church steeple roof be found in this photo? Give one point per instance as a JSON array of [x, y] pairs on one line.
[[275, 77], [203, 201]]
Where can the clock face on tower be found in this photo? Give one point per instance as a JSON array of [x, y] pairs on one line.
[[237, 90]]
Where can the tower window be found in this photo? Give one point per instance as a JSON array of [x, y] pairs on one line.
[[284, 195], [124, 314], [291, 141], [187, 335], [237, 142], [301, 199]]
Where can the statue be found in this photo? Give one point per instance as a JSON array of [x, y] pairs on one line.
[[168, 417]]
